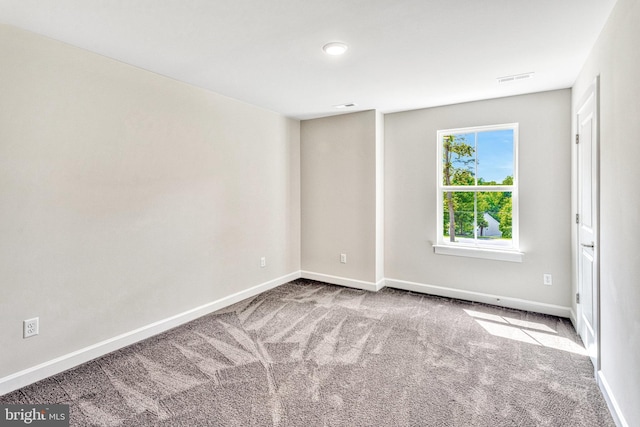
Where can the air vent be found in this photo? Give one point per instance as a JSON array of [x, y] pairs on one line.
[[515, 77], [349, 105]]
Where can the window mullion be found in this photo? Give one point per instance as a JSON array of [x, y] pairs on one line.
[[475, 217], [475, 157]]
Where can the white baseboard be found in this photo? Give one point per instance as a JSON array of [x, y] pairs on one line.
[[343, 281], [517, 303], [574, 319], [616, 413], [68, 361]]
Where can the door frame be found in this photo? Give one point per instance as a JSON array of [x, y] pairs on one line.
[[592, 90]]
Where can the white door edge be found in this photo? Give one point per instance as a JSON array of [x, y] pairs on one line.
[[582, 328]]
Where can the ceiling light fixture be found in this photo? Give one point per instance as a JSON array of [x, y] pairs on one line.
[[335, 48], [515, 77]]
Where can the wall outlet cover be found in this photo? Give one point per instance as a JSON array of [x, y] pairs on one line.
[[30, 327]]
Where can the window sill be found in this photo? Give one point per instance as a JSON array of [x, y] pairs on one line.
[[465, 251]]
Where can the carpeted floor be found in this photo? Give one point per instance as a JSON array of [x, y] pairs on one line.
[[310, 354]]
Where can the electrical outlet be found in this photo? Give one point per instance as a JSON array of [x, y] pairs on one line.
[[263, 262], [30, 327], [343, 258], [547, 279]]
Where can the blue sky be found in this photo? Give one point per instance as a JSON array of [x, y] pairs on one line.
[[494, 150], [495, 154]]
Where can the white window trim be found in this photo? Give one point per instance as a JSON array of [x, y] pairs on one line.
[[479, 252], [474, 250]]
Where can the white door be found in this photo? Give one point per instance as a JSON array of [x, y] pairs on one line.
[[587, 221]]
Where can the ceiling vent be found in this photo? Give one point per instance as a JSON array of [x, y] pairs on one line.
[[349, 105], [515, 77]]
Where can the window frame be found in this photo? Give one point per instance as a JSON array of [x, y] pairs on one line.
[[475, 249]]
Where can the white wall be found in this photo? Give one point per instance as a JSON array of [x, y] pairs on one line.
[[616, 58], [544, 174], [340, 160], [127, 197]]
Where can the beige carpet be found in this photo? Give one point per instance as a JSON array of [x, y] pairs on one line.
[[310, 354]]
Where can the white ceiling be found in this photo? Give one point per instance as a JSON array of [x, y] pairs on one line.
[[403, 54]]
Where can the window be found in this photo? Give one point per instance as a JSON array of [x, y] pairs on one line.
[[478, 192]]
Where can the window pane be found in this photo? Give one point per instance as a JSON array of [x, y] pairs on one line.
[[458, 216], [494, 219], [494, 152], [458, 159]]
